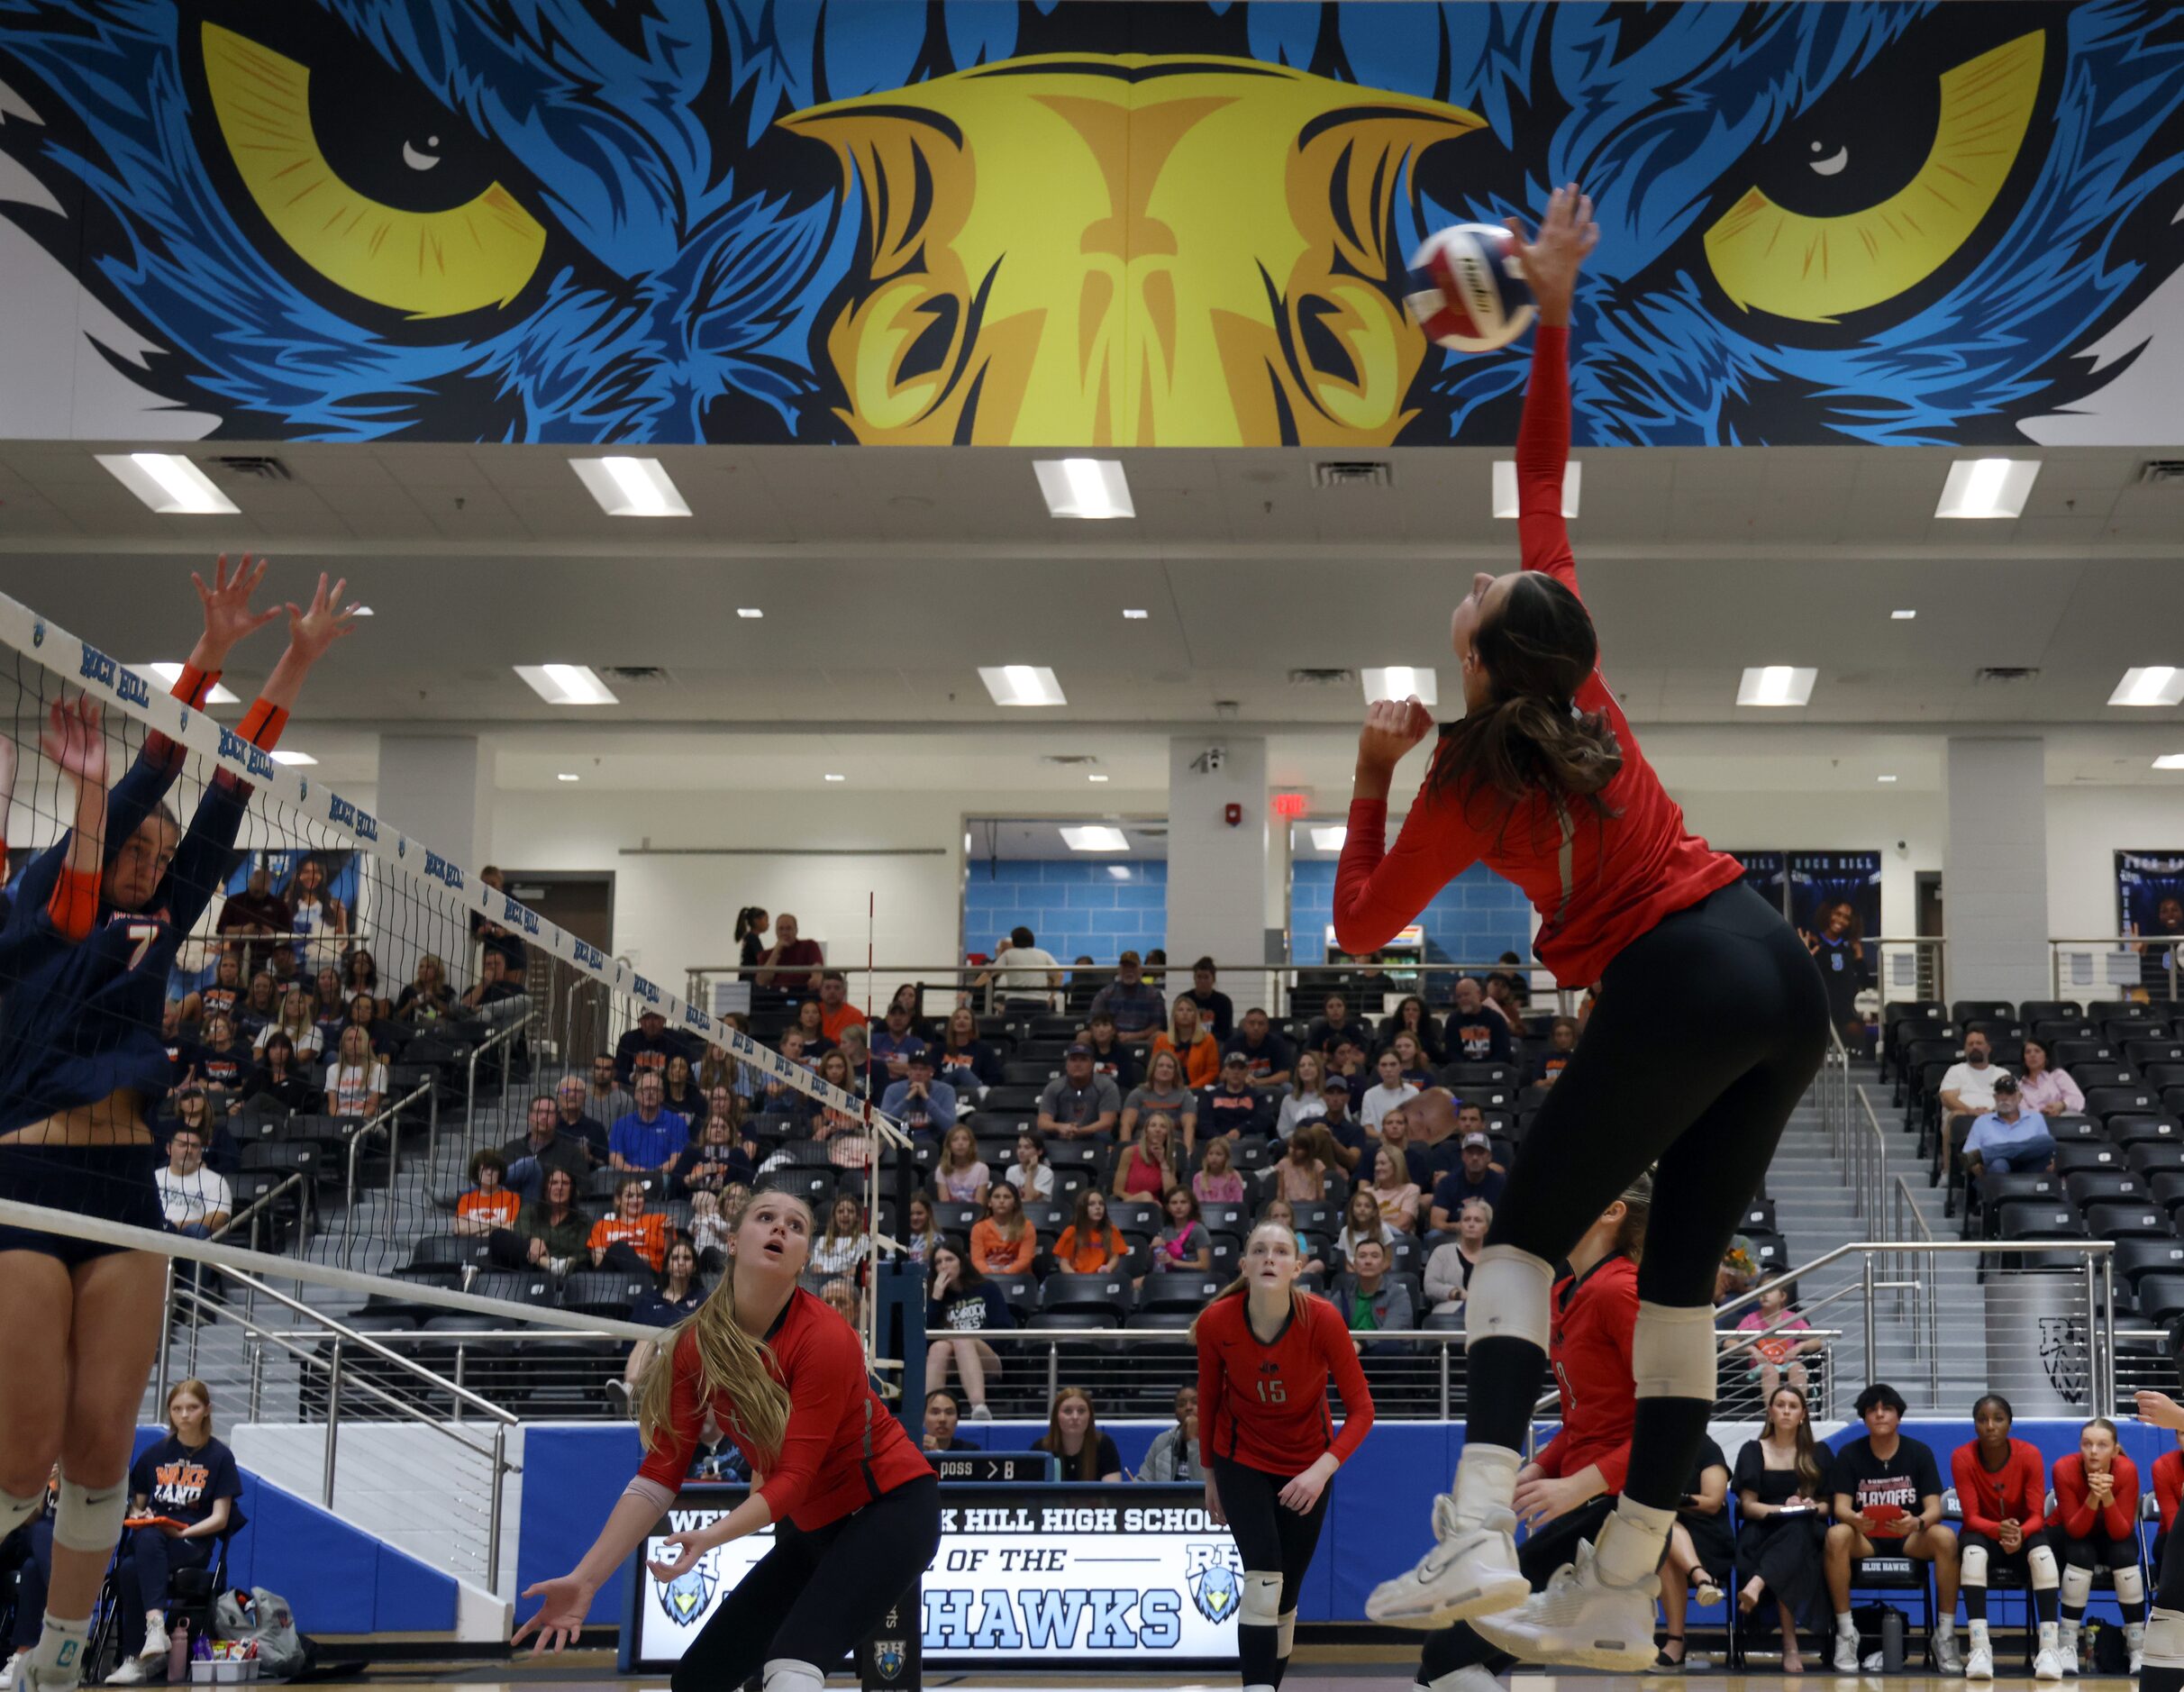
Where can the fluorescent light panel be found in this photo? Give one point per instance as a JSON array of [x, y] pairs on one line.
[[1094, 776], [1777, 685], [566, 684], [2169, 760], [1901, 616], [171, 484], [832, 777], [1330, 840], [1884, 777], [1094, 837], [2156, 684], [566, 777], [749, 612], [171, 673], [1084, 487], [630, 487], [1130, 613], [1400, 681], [1987, 488], [295, 760], [1505, 486], [1022, 685]]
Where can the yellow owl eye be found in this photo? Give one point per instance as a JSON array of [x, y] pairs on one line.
[[1792, 248], [369, 183]]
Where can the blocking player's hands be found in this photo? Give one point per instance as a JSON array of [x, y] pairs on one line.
[[1304, 1490], [228, 616], [559, 1617], [74, 739], [311, 630]]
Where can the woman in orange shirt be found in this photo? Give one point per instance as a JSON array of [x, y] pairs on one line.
[[1192, 1042], [1004, 1243], [631, 1238], [1090, 1245]]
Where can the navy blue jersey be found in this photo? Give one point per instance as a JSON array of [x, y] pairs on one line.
[[80, 1019]]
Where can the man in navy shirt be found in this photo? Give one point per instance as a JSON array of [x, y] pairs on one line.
[[1139, 1008], [1333, 1025], [647, 1046], [649, 1138], [1448, 1155], [1265, 1052], [918, 1102], [570, 1098], [1351, 1139], [1216, 1009], [1232, 1106], [893, 1044], [1476, 1177], [1476, 1030]]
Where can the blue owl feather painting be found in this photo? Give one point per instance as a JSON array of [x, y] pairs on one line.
[[1057, 223]]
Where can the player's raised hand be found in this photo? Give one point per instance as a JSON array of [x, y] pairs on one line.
[[311, 631], [228, 616], [74, 739], [1553, 257]]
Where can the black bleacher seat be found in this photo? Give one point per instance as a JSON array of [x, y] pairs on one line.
[[1046, 1052], [2134, 1128], [1177, 1292], [1073, 1154], [1008, 1099], [2149, 1157], [2102, 1072], [951, 1217], [2065, 1127], [2104, 1102], [522, 1287], [1993, 1191], [2172, 1098], [1252, 1154], [1770, 1251], [2123, 1219], [2144, 1255], [814, 1187], [1034, 1072], [2093, 1186], [1135, 1215], [2160, 1296], [1047, 1219], [2067, 1052], [1965, 1011], [2038, 1011], [1227, 1257], [1069, 1182], [1020, 1292], [1226, 1218], [1087, 1301], [1759, 1214], [2166, 1049], [2073, 1155], [2031, 1219], [605, 1292], [2163, 1075]]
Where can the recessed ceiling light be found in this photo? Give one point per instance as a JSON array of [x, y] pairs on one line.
[[1884, 777], [1095, 837], [294, 759], [1987, 488], [363, 611], [1505, 487], [565, 775], [1901, 616], [1084, 487], [1400, 681], [1330, 840], [171, 484], [1095, 777], [1118, 872], [1777, 685], [1130, 613], [566, 684], [171, 673], [630, 487], [2158, 685], [832, 777], [2169, 760], [748, 611], [1022, 685]]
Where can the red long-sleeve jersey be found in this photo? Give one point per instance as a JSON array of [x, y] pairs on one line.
[[1589, 1350], [2168, 1486], [842, 1447], [2018, 1493], [2074, 1511], [1265, 1406], [1599, 879]]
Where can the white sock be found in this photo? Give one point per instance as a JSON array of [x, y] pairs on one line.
[[59, 1652], [1845, 1628], [1629, 1548], [1947, 1627]]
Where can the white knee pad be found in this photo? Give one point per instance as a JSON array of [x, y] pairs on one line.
[[2130, 1586], [1673, 1351], [2164, 1640], [786, 1674], [1285, 1634], [1974, 1565], [88, 1519], [1510, 1294], [14, 1512], [2077, 1586], [1261, 1605], [2041, 1561]]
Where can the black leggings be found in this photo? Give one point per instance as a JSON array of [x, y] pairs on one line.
[[814, 1596], [1268, 1537], [1707, 1031], [1549, 1548]]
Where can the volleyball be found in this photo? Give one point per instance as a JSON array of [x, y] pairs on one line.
[[1467, 289]]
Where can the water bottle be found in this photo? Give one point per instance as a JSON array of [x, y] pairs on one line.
[[178, 1652], [1892, 1640]]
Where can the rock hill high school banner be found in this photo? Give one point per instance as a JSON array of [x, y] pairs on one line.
[[1067, 223]]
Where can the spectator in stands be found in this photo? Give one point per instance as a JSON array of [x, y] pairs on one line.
[[722, 1155], [941, 1421], [777, 1097], [222, 996], [2001, 1486], [363, 1012], [650, 1137], [1307, 1097], [1004, 1243], [842, 1244], [1265, 1052], [605, 1099], [1173, 1454], [1192, 1043], [631, 1238], [315, 910], [249, 919], [792, 964], [1078, 1104], [1394, 1193], [361, 974], [1392, 1090], [1233, 1108], [428, 996], [278, 1081], [1502, 995], [720, 1068], [297, 1020], [1369, 1298], [2095, 1522], [679, 1091], [1515, 983], [190, 1480], [1183, 1244], [543, 1147], [2158, 952], [1476, 1032], [2045, 1089], [194, 1200], [895, 1040], [1278, 1209], [836, 1014], [966, 1062], [1448, 1153], [1777, 1351], [843, 1135], [710, 1224], [857, 1058], [960, 1174], [2009, 1137], [749, 936], [1342, 1141], [1026, 975], [1091, 1244], [570, 1097], [1031, 1175], [1411, 1017], [259, 1009], [1561, 1040], [920, 1102], [644, 1047], [1411, 1159], [1135, 1004], [1416, 1071], [488, 1205], [329, 1007], [1698, 1542], [1112, 1056], [811, 1023], [1148, 1167], [1217, 1181], [356, 1083], [1214, 1010], [1782, 1495], [1332, 1025], [1887, 1493], [677, 1293], [1968, 1088], [550, 1233], [1163, 1090], [810, 1113], [221, 1063], [1350, 1063], [1361, 1221], [494, 984], [1074, 1439], [1301, 1176], [1476, 1177], [963, 1303], [1448, 1271], [921, 1234], [840, 1297]]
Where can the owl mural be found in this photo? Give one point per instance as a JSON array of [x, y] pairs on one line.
[[1077, 224]]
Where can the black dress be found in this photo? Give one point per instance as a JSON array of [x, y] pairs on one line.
[[1710, 1533], [1783, 1550]]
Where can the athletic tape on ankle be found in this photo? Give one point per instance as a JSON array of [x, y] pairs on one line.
[[90, 1521], [1508, 1300], [1673, 1351], [1261, 1605], [14, 1512], [785, 1673], [2164, 1640], [1285, 1634], [2041, 1562]]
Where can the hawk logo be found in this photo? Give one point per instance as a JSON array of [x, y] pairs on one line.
[[688, 1596], [2063, 1354], [888, 1656], [1212, 1572]]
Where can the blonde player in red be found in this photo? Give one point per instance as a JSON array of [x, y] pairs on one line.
[[1266, 1438]]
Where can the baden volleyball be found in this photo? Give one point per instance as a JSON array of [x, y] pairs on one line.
[[1467, 289]]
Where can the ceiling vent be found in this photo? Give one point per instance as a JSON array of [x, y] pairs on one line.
[[2162, 472], [257, 466], [1069, 760], [2005, 673], [1354, 473], [636, 675], [1344, 679]]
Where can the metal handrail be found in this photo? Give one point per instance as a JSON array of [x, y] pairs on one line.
[[1870, 1150], [1927, 1319], [167, 1301], [499, 1036], [2114, 942], [387, 1119]]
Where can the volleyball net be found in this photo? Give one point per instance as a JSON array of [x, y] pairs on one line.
[[283, 1039]]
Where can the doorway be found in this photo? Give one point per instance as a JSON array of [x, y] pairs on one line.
[[1929, 924], [577, 1014]]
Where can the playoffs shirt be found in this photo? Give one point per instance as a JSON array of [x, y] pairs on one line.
[[1893, 1486]]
